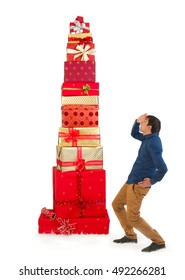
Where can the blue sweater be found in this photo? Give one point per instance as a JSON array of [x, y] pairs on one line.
[[149, 162]]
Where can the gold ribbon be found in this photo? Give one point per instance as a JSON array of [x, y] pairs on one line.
[[82, 51]]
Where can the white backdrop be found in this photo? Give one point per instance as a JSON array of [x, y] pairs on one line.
[[140, 65]]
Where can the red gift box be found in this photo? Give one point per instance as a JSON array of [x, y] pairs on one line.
[[80, 115], [79, 194], [79, 26], [80, 89], [79, 71], [90, 225], [80, 52], [85, 40]]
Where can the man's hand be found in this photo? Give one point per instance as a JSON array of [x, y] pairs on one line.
[[145, 183], [141, 118]]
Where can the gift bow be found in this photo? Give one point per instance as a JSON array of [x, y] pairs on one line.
[[86, 88], [78, 27], [82, 51], [65, 227], [73, 133]]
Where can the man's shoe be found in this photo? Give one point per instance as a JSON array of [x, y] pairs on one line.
[[153, 247], [125, 240]]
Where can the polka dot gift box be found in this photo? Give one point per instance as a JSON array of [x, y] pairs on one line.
[[79, 179]]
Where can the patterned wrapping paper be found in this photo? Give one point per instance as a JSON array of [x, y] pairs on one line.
[[85, 225], [80, 71], [79, 36], [79, 26], [86, 40], [79, 115], [81, 100], [80, 52], [79, 158], [80, 89], [79, 136]]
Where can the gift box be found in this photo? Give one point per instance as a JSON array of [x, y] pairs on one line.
[[79, 115], [85, 225], [80, 89], [79, 36], [83, 100], [85, 40], [80, 52], [74, 186], [79, 158], [79, 136], [79, 71], [79, 26]]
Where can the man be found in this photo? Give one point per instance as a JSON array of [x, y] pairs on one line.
[[148, 169]]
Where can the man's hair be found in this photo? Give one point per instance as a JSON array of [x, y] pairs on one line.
[[155, 123]]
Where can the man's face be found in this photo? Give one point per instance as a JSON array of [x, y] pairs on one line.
[[144, 127]]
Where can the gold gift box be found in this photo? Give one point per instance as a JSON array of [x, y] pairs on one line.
[[79, 136], [81, 35], [84, 100], [79, 158]]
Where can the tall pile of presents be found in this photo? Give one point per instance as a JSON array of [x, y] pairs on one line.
[[79, 180]]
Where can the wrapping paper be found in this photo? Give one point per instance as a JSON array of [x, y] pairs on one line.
[[83, 100], [79, 115], [80, 52], [80, 89], [86, 40], [79, 136], [79, 36], [79, 71], [79, 26], [79, 158], [85, 225]]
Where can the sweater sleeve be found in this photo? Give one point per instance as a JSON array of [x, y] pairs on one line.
[[135, 131]]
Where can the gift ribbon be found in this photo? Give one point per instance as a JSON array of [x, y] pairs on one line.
[[78, 27], [73, 135], [65, 227], [80, 163], [82, 51], [48, 214], [86, 40]]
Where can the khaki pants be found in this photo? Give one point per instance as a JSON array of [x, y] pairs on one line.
[[132, 195]]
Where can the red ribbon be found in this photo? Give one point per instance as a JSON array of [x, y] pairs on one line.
[[80, 163], [48, 214], [86, 40], [73, 136]]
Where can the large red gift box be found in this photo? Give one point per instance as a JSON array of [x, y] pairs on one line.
[[79, 115], [79, 71], [80, 52], [85, 225], [79, 89]]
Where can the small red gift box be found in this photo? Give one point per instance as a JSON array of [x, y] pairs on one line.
[[80, 52], [84, 40], [79, 26], [80, 89], [80, 115], [86, 225], [79, 71]]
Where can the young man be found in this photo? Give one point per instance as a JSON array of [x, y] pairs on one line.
[[148, 169]]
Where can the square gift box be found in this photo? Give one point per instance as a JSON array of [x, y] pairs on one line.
[[86, 225], [79, 136], [79, 158], [79, 89], [79, 115], [79, 71], [80, 52], [79, 26], [80, 194]]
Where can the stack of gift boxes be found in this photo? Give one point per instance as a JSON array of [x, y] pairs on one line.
[[79, 180]]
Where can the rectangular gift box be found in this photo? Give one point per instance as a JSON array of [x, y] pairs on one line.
[[83, 100], [74, 186], [85, 225], [79, 158], [79, 36], [79, 136], [85, 40], [79, 115], [79, 71], [78, 28], [80, 89], [80, 52]]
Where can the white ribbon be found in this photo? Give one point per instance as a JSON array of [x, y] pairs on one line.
[[82, 51], [78, 27]]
